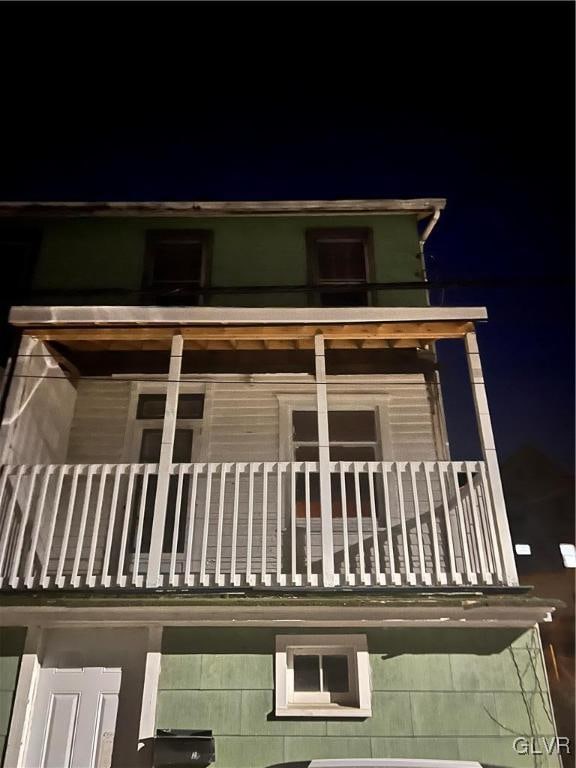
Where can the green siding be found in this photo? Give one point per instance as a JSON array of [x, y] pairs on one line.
[[109, 253], [11, 646], [445, 693]]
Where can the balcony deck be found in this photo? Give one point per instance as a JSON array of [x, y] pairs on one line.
[[236, 524]]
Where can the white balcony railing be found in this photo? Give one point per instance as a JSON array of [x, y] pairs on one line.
[[237, 524]]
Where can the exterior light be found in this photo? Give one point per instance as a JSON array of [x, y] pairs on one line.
[[523, 549]]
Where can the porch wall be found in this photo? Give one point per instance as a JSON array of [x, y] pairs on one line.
[[446, 693], [37, 428], [241, 420], [11, 647]]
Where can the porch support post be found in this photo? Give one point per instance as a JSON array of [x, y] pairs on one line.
[[328, 576], [490, 457], [166, 451]]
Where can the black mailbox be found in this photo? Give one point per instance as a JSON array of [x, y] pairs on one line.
[[175, 748]]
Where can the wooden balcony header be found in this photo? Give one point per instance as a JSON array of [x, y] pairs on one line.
[[344, 336]]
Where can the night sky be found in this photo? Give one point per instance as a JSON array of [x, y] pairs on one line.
[[469, 101]]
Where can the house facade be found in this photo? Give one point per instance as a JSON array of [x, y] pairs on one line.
[[231, 529]]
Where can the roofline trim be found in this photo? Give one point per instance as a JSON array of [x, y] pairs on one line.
[[421, 206]]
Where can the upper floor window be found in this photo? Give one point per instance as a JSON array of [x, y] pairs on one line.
[[177, 265], [340, 266]]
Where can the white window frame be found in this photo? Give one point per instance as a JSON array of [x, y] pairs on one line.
[[135, 426], [348, 402], [316, 704]]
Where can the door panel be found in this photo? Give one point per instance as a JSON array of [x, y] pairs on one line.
[[74, 718]]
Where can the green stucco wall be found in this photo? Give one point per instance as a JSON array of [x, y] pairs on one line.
[[11, 647], [444, 693], [109, 253]]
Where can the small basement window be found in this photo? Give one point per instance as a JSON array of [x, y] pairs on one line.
[[322, 676]]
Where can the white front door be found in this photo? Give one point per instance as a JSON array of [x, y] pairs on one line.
[[74, 718]]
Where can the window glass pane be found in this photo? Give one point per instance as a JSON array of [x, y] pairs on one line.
[[341, 260], [306, 453], [152, 406], [335, 671], [150, 445], [152, 441], [182, 451], [352, 453], [177, 262], [305, 426], [191, 406], [352, 426], [306, 673]]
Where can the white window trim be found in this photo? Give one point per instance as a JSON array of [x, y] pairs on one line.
[[336, 402], [135, 427], [354, 646]]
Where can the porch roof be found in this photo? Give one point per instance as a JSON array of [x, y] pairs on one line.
[[35, 316]]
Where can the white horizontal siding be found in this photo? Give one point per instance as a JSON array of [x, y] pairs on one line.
[[100, 419], [44, 406]]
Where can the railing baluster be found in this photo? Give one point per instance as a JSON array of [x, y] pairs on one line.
[[440, 575], [14, 579], [464, 538], [249, 578], [105, 578], [379, 577], [90, 579], [235, 579], [60, 578], [29, 566], [204, 580], [121, 577], [176, 530], [296, 580], [10, 517], [218, 578], [264, 575], [425, 577], [396, 577], [75, 579], [190, 522], [138, 579], [350, 577], [477, 527], [280, 578], [308, 543], [44, 579], [489, 514], [456, 576], [410, 577], [364, 577]]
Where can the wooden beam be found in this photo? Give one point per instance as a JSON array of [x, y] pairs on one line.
[[262, 333], [72, 373]]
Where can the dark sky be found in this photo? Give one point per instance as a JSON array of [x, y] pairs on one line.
[[469, 101]]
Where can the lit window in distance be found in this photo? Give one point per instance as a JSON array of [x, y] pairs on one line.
[[568, 555]]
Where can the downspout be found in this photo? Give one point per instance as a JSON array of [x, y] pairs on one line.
[[430, 227]]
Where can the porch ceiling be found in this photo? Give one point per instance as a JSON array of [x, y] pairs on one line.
[[392, 335]]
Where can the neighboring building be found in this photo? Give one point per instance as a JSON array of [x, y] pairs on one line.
[[227, 502]]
